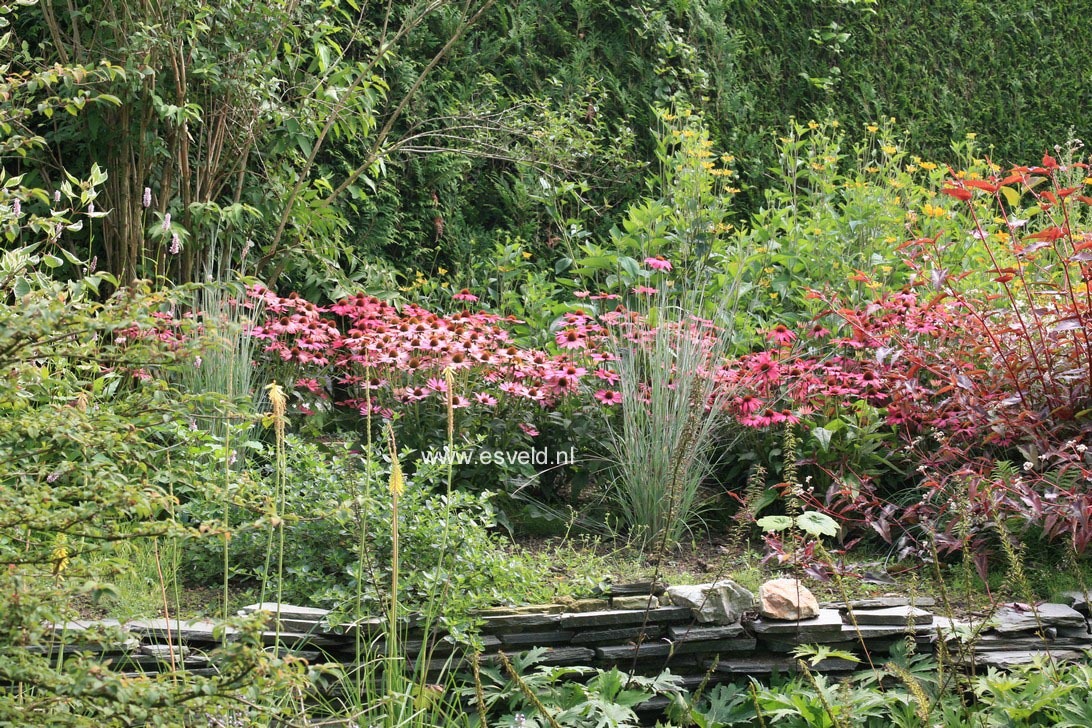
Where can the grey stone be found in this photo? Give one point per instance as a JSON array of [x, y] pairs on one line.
[[892, 616], [624, 617], [1010, 618], [765, 664], [665, 649], [1076, 599], [287, 611], [519, 622], [828, 623], [174, 629], [722, 602], [691, 634], [165, 653], [554, 638], [1013, 658], [645, 602], [622, 634], [635, 589], [872, 631], [567, 656], [881, 603]]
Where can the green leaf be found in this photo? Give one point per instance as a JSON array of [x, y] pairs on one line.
[[817, 524], [1012, 196], [771, 524], [823, 435]]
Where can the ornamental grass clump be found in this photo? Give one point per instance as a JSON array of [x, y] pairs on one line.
[[675, 409]]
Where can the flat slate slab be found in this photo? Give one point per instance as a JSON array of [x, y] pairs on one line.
[[1013, 658], [174, 629], [875, 631], [692, 634], [829, 622], [287, 611], [624, 617], [881, 603], [1011, 618], [555, 638], [766, 664], [519, 622], [621, 634], [891, 616]]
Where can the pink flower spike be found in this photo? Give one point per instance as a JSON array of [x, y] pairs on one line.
[[658, 263]]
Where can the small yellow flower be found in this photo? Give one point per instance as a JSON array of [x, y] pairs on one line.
[[929, 166], [872, 169], [971, 136], [835, 124], [526, 255], [888, 149], [442, 271], [911, 168], [813, 125], [872, 128]]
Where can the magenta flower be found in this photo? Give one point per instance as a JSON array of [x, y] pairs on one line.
[[645, 290], [658, 263], [529, 429]]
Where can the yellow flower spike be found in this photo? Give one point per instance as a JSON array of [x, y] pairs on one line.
[[60, 555], [277, 398], [397, 482]]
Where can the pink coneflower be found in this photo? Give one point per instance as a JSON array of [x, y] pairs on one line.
[[658, 263], [570, 338], [781, 335], [529, 429], [486, 399], [459, 402], [582, 294], [818, 331], [609, 396], [749, 404], [465, 295], [607, 375], [645, 290], [765, 367], [437, 384]]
